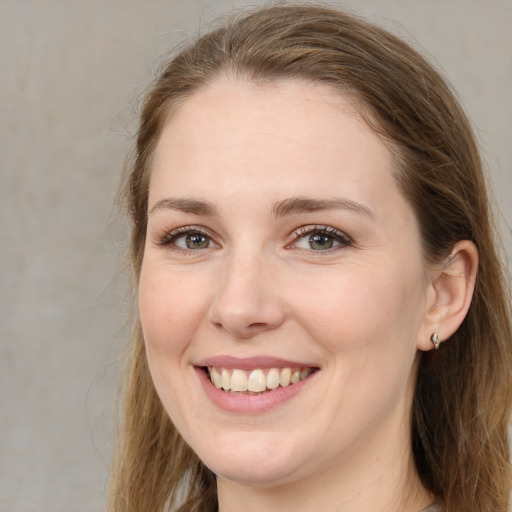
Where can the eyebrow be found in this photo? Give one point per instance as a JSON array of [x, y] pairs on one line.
[[295, 205], [286, 207], [185, 205]]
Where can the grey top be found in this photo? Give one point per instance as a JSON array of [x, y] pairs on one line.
[[435, 507]]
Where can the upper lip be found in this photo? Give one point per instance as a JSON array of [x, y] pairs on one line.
[[250, 363]]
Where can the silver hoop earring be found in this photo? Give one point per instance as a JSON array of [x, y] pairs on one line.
[[435, 340]]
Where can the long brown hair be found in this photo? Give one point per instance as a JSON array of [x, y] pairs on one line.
[[463, 396]]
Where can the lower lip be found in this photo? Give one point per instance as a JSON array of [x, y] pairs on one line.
[[246, 404]]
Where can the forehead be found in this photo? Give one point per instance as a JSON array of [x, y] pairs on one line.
[[240, 103], [294, 135]]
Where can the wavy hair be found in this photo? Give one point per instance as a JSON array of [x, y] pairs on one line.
[[463, 394]]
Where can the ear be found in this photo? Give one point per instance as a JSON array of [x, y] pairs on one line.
[[450, 291]]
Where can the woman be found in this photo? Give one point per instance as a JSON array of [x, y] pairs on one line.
[[323, 318]]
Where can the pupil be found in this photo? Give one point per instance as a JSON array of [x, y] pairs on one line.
[[197, 241], [320, 242]]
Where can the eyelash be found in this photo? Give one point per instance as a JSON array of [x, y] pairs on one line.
[[168, 239], [338, 236]]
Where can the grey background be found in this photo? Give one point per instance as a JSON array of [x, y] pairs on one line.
[[71, 72]]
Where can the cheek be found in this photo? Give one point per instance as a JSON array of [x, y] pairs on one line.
[[368, 308], [368, 321], [170, 309]]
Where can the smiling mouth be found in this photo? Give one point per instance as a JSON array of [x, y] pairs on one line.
[[257, 381]]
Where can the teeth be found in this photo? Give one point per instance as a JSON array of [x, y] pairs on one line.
[[273, 378], [304, 373], [238, 381], [256, 381], [216, 378], [284, 378], [226, 379]]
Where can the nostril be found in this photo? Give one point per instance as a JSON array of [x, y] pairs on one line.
[[245, 315]]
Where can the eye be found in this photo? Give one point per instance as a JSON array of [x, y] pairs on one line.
[[188, 238], [192, 241], [320, 239]]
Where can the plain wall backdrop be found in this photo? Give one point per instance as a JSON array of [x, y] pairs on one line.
[[71, 72]]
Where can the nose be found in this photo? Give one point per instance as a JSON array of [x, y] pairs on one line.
[[246, 303]]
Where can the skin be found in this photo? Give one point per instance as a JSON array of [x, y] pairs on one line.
[[358, 312]]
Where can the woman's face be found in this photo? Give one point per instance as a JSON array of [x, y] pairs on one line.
[[279, 247]]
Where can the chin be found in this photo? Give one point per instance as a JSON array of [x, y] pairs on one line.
[[258, 474], [253, 462]]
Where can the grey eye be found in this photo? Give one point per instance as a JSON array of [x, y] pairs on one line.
[[319, 242], [320, 239], [193, 241]]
